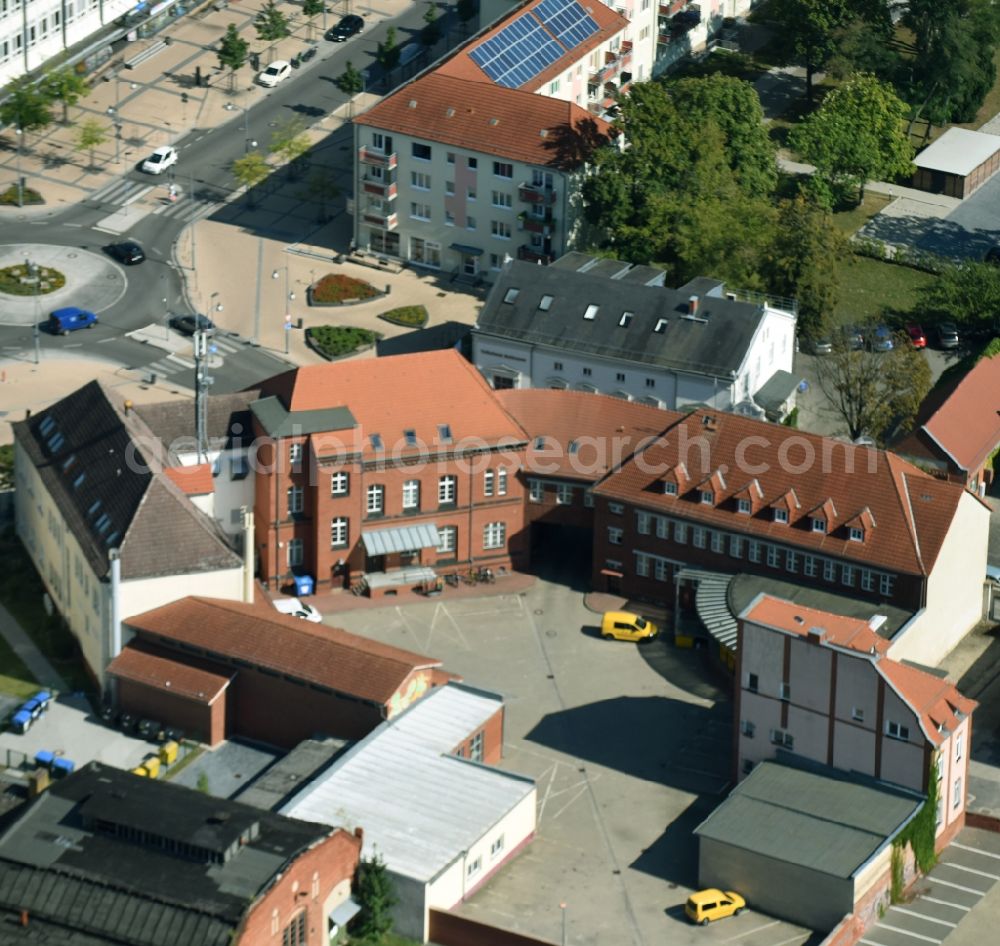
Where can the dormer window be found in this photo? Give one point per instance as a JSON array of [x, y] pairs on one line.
[[743, 506], [856, 535], [707, 497], [411, 437], [546, 303], [781, 515], [819, 525], [591, 312], [376, 441], [670, 489]]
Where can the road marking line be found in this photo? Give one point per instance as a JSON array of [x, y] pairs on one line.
[[104, 341], [897, 929], [920, 916], [766, 926], [961, 847], [948, 883], [791, 939], [870, 942], [970, 870], [138, 195], [184, 362], [945, 903]]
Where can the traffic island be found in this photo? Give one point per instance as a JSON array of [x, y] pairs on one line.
[[26, 279], [15, 196]]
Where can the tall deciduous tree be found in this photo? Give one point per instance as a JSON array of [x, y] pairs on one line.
[[271, 24], [233, 52], [26, 107], [310, 10], [968, 295], [875, 394], [250, 170], [66, 86], [350, 82], [374, 892], [811, 27], [289, 141], [388, 52], [855, 136], [91, 134]]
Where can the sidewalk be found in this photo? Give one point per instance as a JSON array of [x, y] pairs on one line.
[[33, 658]]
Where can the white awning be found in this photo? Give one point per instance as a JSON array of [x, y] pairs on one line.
[[400, 539], [346, 912]]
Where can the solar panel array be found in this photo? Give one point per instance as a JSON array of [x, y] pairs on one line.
[[517, 53], [567, 21]]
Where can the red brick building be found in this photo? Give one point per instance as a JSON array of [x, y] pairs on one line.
[[218, 668], [369, 467]]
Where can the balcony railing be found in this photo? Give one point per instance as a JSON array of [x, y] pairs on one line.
[[670, 7], [377, 158], [531, 255], [379, 189], [530, 194], [536, 224], [377, 219]]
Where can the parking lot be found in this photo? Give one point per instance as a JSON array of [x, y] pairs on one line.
[[630, 748]]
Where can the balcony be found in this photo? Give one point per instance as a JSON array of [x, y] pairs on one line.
[[379, 188], [670, 7], [531, 224], [531, 194], [530, 255], [387, 221], [377, 158]]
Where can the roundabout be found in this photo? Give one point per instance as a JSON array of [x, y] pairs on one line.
[[90, 281]]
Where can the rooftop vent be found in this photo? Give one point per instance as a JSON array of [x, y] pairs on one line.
[[799, 619], [626, 319], [876, 621], [543, 132], [494, 121], [661, 326], [450, 112], [412, 103], [693, 305]]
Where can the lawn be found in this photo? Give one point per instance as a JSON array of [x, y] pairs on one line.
[[854, 218], [869, 288], [15, 680]]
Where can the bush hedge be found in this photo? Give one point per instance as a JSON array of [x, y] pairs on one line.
[[409, 316], [335, 287], [333, 341], [31, 197]]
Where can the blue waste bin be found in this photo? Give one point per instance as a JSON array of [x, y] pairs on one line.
[[44, 758], [304, 585], [61, 767]]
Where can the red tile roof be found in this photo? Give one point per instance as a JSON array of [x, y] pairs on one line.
[[493, 120], [140, 664], [796, 619], [967, 425], [388, 396], [327, 656], [609, 23], [605, 430], [938, 704], [912, 511], [193, 480]]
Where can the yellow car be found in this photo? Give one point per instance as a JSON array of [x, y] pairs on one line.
[[706, 905], [625, 626]]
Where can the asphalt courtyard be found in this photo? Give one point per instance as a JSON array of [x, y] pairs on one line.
[[630, 749]]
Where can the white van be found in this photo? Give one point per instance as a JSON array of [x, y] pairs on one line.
[[298, 609]]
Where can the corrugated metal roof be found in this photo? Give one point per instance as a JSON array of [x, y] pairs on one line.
[[958, 151], [423, 535], [712, 603], [817, 820], [420, 806]]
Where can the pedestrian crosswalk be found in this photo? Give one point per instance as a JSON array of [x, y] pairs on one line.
[[174, 364], [125, 193], [122, 192]]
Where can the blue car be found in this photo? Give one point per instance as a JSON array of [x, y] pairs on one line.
[[882, 339], [64, 321]]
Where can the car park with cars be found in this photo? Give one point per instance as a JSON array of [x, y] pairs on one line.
[[917, 337], [706, 905], [276, 72], [160, 160], [70, 319], [349, 26], [947, 336], [881, 339], [129, 252]]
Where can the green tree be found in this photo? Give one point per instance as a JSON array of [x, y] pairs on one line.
[[271, 24], [26, 107], [388, 52], [875, 394], [91, 134], [64, 85], [321, 188], [233, 52], [251, 170], [289, 141], [310, 10], [968, 295], [801, 263], [350, 82], [375, 894], [202, 783], [856, 135], [431, 32], [6, 466], [810, 27]]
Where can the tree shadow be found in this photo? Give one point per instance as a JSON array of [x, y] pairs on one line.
[[574, 144]]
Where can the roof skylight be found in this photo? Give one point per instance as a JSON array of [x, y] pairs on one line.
[[511, 295], [591, 312]]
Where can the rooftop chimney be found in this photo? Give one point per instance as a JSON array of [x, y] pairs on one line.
[[128, 407], [693, 305]]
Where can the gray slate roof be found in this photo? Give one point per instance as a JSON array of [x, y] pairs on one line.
[[53, 865], [228, 421], [96, 459], [824, 821], [713, 343]]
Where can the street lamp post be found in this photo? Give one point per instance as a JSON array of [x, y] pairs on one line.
[[20, 180], [289, 297], [248, 142], [562, 908], [113, 115], [34, 273]]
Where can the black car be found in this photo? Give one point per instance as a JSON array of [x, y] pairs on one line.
[[349, 26], [189, 324], [128, 252]]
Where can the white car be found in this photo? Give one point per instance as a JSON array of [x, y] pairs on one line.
[[298, 609], [160, 160], [274, 73]]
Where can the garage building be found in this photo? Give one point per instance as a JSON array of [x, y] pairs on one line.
[[957, 163], [808, 845]]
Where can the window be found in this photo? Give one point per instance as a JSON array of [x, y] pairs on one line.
[[847, 573], [295, 500], [782, 738], [476, 748], [503, 169], [956, 795], [375, 499], [502, 199], [743, 506], [379, 142], [669, 489], [792, 561], [753, 550], [500, 229], [239, 468], [616, 509], [535, 491], [488, 479], [501, 482], [662, 527], [747, 728], [470, 222], [470, 194], [447, 540], [707, 497], [295, 454], [564, 494], [784, 691], [444, 432], [642, 565], [959, 739], [698, 537], [420, 181], [867, 580], [736, 546], [471, 869], [472, 163], [752, 682], [449, 218], [773, 557], [587, 372], [421, 152], [885, 584], [339, 484], [588, 499], [856, 535], [620, 376], [661, 569], [718, 542], [295, 553], [897, 731], [642, 521], [420, 211], [681, 533], [809, 566], [446, 489], [819, 525], [494, 535], [496, 848], [411, 494], [295, 934], [614, 535], [450, 157], [781, 515], [857, 714], [829, 570], [338, 532]]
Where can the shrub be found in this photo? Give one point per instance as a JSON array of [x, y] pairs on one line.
[[409, 316], [9, 197], [335, 287], [332, 341], [49, 280]]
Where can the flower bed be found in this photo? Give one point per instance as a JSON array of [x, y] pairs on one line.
[[337, 289], [335, 341], [409, 316], [17, 281]]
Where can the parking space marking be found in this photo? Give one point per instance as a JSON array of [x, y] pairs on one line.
[[792, 939], [902, 932], [948, 883], [975, 850], [871, 942], [945, 903], [766, 926], [921, 916], [970, 870]]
